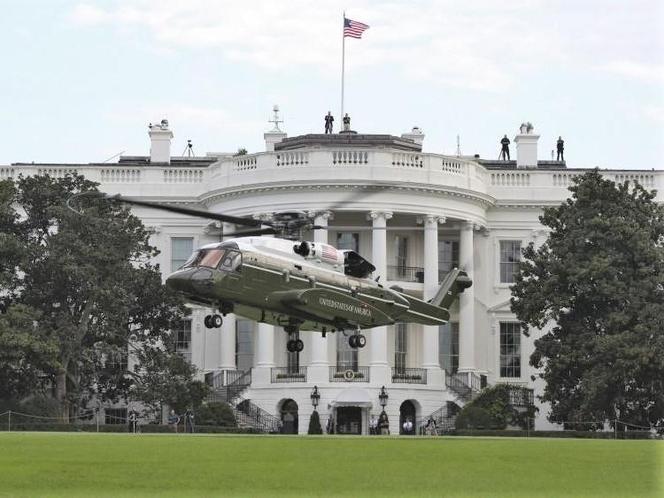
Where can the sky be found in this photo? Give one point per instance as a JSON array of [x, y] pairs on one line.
[[81, 80]]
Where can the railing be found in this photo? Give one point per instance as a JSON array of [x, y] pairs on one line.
[[243, 163], [343, 374], [288, 374], [510, 179], [120, 175], [444, 418], [407, 160], [292, 158], [521, 396], [255, 416], [6, 173], [409, 375], [183, 175], [350, 157], [405, 273], [465, 384]]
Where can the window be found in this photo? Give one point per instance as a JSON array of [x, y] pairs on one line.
[[231, 261], [400, 347], [181, 249], [183, 335], [510, 349], [401, 254], [510, 255], [348, 241], [346, 356], [448, 347], [115, 416], [244, 344], [448, 255], [117, 361], [293, 361]]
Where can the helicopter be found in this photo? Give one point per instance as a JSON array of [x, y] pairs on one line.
[[293, 283]]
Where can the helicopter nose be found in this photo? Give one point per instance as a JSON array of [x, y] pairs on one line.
[[180, 281]]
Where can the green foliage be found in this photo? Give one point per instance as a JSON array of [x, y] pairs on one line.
[[24, 351], [164, 378], [491, 409], [314, 424], [216, 414], [595, 290], [86, 290]]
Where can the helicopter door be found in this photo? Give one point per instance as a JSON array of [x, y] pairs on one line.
[[231, 265]]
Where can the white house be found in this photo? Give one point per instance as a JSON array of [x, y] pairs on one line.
[[440, 212]]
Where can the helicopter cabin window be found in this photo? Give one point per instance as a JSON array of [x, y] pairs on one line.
[[348, 240], [181, 249], [210, 258], [231, 261]]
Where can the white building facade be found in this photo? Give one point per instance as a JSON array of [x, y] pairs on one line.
[[414, 215]]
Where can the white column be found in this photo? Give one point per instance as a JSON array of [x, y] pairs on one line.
[[265, 345], [466, 302], [430, 332], [377, 337], [227, 354], [318, 371]]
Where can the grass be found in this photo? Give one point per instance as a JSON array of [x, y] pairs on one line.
[[118, 465]]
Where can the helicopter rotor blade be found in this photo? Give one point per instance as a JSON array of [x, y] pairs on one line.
[[248, 233], [352, 228], [189, 211]]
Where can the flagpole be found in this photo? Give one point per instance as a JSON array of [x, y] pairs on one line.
[[343, 65]]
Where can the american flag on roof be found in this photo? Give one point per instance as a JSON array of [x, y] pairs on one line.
[[354, 29]]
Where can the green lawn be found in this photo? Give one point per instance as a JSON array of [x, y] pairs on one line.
[[47, 464]]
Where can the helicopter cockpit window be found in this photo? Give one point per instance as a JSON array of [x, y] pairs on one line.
[[192, 261], [231, 261], [211, 257]]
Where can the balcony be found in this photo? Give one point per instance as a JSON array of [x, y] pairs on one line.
[[288, 374], [405, 274], [409, 376], [349, 374]]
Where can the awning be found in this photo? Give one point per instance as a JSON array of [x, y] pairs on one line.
[[353, 397]]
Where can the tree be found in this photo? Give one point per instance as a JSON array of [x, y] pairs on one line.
[[91, 286], [164, 378], [314, 424], [595, 287], [492, 409], [216, 414]]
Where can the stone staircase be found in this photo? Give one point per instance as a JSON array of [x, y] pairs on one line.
[[228, 387]]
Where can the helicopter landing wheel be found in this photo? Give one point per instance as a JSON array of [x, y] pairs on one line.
[[356, 341], [208, 321], [216, 321], [295, 346]]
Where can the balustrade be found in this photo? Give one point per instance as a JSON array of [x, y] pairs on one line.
[[407, 160], [288, 374], [121, 175], [183, 175], [350, 374], [292, 158], [409, 375], [350, 157]]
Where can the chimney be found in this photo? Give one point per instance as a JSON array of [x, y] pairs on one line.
[[160, 142], [526, 146], [415, 135], [275, 135]]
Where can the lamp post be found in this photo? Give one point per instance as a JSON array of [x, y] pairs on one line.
[[315, 397], [382, 397]]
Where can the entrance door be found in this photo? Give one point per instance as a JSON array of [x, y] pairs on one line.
[[289, 417], [349, 420], [407, 418]]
